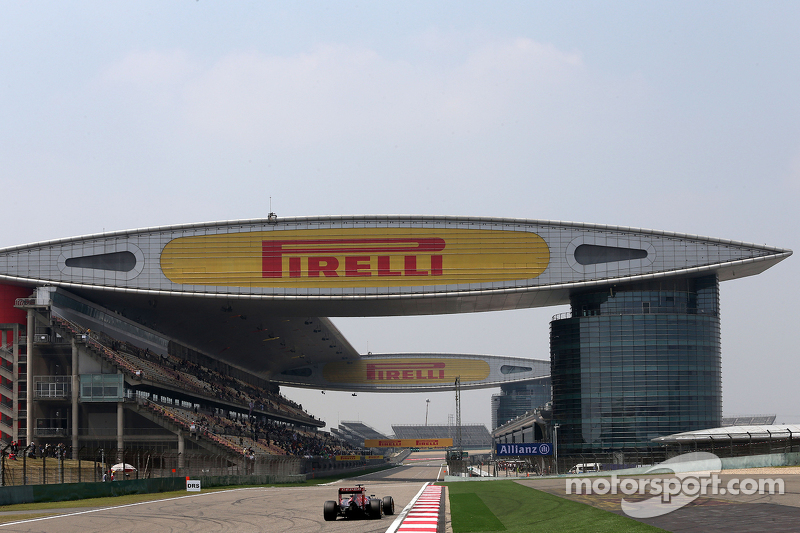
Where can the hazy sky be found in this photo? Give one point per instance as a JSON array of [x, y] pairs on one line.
[[678, 116]]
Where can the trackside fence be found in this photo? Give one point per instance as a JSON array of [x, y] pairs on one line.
[[41, 479], [101, 465]]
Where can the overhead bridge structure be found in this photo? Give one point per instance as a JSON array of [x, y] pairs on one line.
[[256, 295]]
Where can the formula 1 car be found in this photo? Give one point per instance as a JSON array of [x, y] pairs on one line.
[[354, 503]]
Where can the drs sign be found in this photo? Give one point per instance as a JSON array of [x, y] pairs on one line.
[[513, 450], [193, 485]]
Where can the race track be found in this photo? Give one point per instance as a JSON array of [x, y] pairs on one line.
[[262, 509]]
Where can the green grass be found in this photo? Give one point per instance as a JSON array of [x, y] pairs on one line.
[[509, 506], [106, 501], [469, 513], [19, 517]]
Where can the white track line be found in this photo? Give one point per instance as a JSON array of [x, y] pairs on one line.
[[402, 515]]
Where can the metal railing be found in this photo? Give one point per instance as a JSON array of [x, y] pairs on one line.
[[51, 432], [51, 427], [151, 433], [52, 386]]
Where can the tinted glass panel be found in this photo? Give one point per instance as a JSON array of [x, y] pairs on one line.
[[117, 261], [590, 254]]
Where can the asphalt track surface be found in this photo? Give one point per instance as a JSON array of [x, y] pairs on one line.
[[262, 509]]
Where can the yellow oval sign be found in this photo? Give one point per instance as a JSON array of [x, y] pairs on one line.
[[353, 258], [405, 371]]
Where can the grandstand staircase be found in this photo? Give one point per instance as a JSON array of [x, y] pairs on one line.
[[140, 372], [7, 391], [6, 363], [160, 417], [175, 425]]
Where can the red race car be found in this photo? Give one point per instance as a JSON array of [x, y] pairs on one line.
[[355, 503]]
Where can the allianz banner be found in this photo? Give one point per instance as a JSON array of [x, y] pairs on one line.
[[514, 450]]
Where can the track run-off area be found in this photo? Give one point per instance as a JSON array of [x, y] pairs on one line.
[[255, 509]]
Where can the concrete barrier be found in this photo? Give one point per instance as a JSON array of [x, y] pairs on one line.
[[78, 491]]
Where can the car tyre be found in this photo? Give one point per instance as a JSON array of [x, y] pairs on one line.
[[388, 505], [329, 511], [375, 508]]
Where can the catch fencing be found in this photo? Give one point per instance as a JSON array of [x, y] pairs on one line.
[[99, 464]]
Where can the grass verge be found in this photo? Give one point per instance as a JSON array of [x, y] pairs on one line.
[[19, 517], [520, 509], [469, 513]]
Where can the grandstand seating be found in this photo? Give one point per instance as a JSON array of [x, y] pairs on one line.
[[350, 438], [472, 435], [243, 435], [362, 430], [354, 433], [143, 365]]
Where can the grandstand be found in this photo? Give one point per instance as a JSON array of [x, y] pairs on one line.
[[354, 433], [748, 420], [472, 435], [136, 389]]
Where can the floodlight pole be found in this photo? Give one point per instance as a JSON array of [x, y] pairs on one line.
[[458, 446], [427, 404]]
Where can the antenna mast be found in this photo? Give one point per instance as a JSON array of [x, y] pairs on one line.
[[272, 218]]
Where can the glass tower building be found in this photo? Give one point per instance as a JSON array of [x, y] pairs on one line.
[[516, 399], [635, 362]]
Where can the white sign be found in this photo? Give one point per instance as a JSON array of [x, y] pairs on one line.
[[193, 485]]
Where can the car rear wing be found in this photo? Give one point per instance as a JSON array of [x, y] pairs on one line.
[[354, 490]]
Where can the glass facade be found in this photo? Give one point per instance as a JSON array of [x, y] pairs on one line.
[[636, 362], [516, 399], [102, 387]]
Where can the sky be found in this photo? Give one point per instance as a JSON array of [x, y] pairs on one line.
[[676, 116]]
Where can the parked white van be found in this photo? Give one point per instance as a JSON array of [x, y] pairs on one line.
[[582, 468]]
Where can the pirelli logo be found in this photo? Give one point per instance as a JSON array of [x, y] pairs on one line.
[[351, 259], [333, 258], [405, 371]]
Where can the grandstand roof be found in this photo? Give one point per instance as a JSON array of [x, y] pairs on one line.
[[749, 420], [523, 421], [736, 433]]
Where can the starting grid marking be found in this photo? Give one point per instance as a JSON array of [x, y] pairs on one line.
[[424, 513]]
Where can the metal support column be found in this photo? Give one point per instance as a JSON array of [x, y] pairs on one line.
[[180, 451], [458, 443], [120, 430], [29, 378], [75, 391]]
